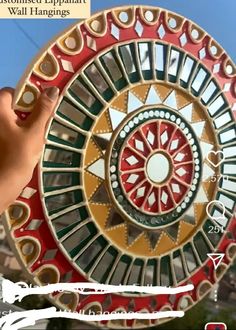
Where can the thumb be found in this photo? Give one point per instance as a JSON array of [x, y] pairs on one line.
[[43, 109]]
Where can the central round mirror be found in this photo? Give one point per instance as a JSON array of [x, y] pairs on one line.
[[158, 168]]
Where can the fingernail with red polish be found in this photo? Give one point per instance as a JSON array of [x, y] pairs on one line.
[[52, 93]]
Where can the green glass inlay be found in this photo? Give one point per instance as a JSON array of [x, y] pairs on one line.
[[201, 246], [146, 59], [213, 232], [59, 157], [66, 136], [111, 64], [80, 91], [165, 272], [60, 180], [129, 56], [89, 256], [92, 230], [172, 62]]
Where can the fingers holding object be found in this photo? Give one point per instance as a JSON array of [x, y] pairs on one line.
[[43, 109], [7, 114]]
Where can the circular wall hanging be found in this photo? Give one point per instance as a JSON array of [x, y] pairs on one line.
[[142, 140]]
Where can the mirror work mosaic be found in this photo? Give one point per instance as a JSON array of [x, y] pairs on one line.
[[142, 140]]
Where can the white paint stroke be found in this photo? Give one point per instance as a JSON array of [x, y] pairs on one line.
[[28, 318], [17, 291]]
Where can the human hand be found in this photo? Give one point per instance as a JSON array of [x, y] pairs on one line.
[[21, 142]]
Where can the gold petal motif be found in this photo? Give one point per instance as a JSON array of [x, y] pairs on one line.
[[141, 92], [91, 184], [103, 124], [93, 153], [185, 231], [165, 244], [100, 212], [118, 231], [120, 103]]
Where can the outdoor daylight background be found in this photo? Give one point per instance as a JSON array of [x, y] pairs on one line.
[[22, 39]]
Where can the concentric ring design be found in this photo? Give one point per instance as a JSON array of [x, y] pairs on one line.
[[157, 136], [69, 224]]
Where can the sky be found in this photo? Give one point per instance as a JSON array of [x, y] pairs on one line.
[[22, 39]]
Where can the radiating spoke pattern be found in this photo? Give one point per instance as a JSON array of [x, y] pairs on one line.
[[161, 181], [143, 139], [156, 169]]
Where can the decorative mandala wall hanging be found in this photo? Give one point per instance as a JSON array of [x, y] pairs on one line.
[[142, 140]]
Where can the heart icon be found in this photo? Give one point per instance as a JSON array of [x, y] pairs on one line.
[[221, 157]]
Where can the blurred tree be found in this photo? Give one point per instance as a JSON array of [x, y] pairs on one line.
[[194, 319], [59, 324], [197, 317]]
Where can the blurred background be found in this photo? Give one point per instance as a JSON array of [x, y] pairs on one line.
[[21, 40]]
